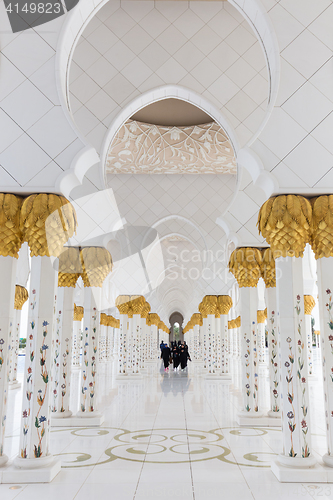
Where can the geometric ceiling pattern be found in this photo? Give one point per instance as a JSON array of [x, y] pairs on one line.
[[140, 148], [181, 210], [128, 49]]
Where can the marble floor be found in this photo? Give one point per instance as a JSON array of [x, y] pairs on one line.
[[168, 435]]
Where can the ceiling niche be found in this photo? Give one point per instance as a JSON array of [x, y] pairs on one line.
[[171, 136]]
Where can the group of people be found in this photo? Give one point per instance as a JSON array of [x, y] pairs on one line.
[[177, 354]]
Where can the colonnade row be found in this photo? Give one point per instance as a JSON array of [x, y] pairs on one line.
[[288, 223], [45, 222]]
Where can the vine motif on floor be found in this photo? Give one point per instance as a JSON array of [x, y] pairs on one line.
[[41, 419], [291, 413], [274, 363], [301, 378]]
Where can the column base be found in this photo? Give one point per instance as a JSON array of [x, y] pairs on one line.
[[3, 461], [134, 376], [61, 414], [252, 419], [274, 414], [299, 472], [82, 419], [15, 385], [31, 470], [328, 460], [218, 376], [75, 368]]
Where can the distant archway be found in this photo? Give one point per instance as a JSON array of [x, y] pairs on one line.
[[176, 321]]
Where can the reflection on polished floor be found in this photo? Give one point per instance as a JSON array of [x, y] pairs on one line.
[[169, 435]]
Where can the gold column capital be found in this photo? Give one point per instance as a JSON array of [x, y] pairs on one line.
[[261, 316], [154, 319], [202, 310], [309, 303], [47, 222], [96, 265], [10, 231], [78, 313], [197, 319], [145, 310], [244, 264], [21, 296], [103, 319], [70, 267], [224, 303], [322, 226], [267, 269], [137, 303], [238, 322], [210, 304], [122, 303], [285, 221]]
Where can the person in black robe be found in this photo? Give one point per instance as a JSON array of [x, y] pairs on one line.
[[184, 356], [165, 355], [175, 357]]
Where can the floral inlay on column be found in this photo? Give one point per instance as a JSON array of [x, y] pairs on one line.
[[41, 419], [47, 222], [286, 223], [245, 264], [274, 361]]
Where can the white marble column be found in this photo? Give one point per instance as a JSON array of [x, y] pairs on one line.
[[122, 305], [261, 318], [154, 320], [8, 275], [297, 450], [35, 425], [88, 395], [102, 341], [249, 353], [65, 301], [136, 305], [286, 223], [21, 296], [224, 303], [309, 303], [322, 245], [77, 336], [273, 352], [197, 320]]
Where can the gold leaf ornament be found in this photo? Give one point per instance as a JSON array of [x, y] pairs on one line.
[[47, 222], [322, 226], [96, 265], [285, 222], [245, 264], [21, 296], [10, 232], [78, 313], [268, 272], [70, 267], [224, 303]]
